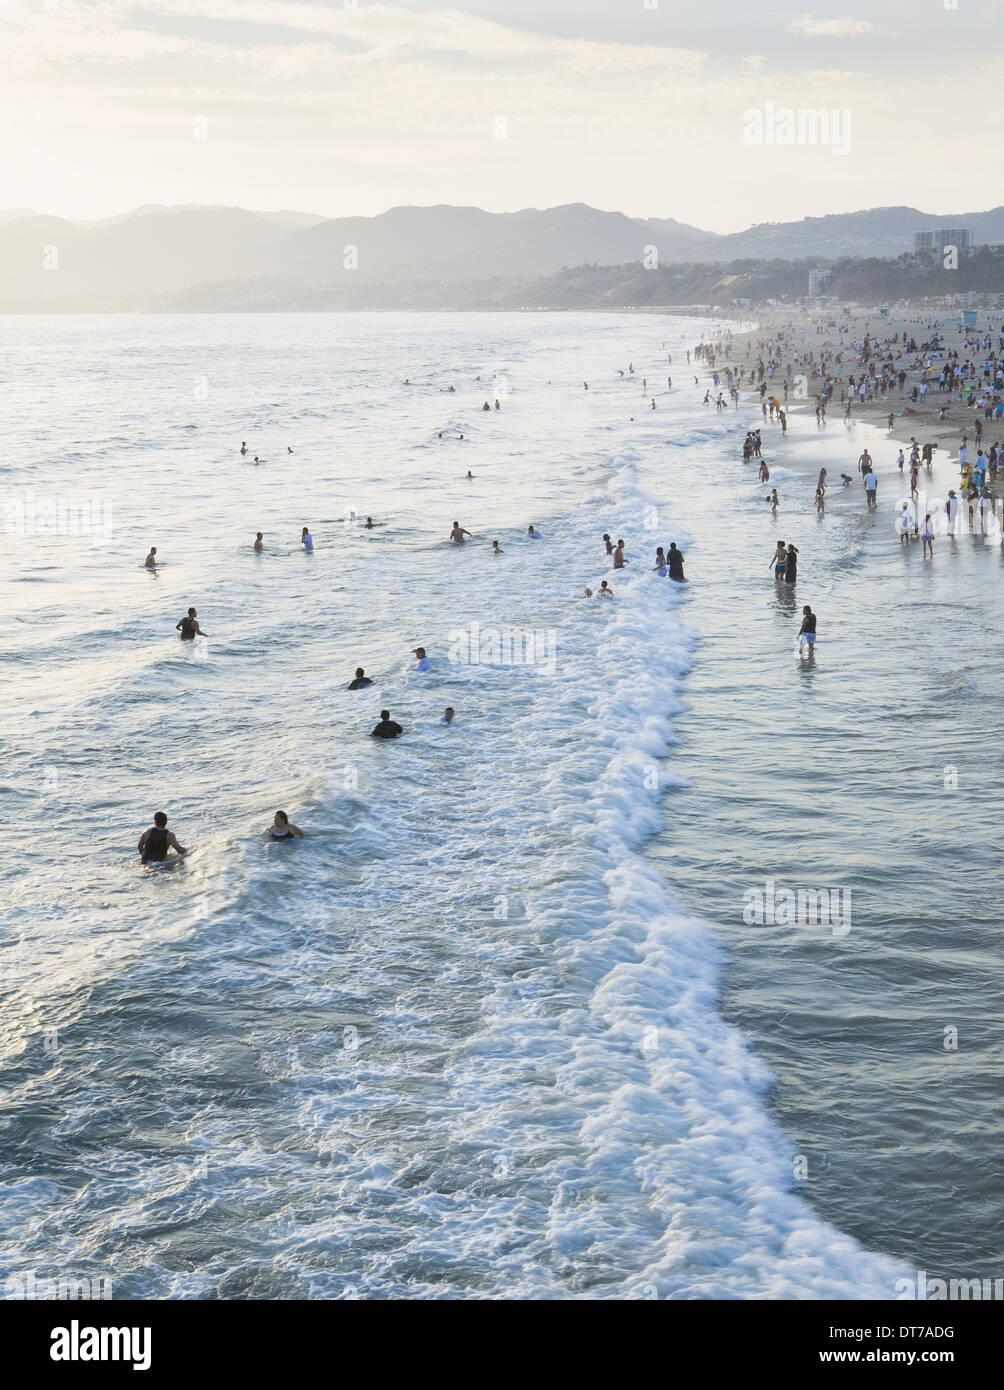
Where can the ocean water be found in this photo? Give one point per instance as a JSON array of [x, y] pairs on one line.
[[496, 1028]]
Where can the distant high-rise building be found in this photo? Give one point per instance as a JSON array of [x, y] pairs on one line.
[[959, 237]]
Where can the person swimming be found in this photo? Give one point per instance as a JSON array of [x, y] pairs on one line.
[[532, 534], [288, 449], [459, 532], [155, 842], [189, 628], [259, 541], [151, 560], [307, 540], [282, 828], [370, 523], [448, 714], [423, 663], [361, 680], [497, 549], [387, 728], [469, 473]]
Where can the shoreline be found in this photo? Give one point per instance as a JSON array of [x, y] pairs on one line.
[[801, 336]]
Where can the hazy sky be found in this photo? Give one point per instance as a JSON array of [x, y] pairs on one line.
[[635, 105]]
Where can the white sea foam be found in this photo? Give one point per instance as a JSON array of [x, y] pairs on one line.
[[461, 1041]]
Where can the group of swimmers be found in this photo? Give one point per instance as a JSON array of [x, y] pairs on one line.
[[157, 841]]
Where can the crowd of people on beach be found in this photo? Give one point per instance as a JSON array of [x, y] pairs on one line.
[[782, 369]]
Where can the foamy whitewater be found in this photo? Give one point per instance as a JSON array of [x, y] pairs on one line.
[[462, 1041]]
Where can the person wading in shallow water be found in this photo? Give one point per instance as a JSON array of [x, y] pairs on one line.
[[189, 627], [387, 728], [155, 842], [807, 632]]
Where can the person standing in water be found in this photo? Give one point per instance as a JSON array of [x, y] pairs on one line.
[[791, 565], [361, 680], [779, 560], [423, 663], [459, 532], [497, 549], [807, 632], [155, 842], [674, 559], [244, 447], [618, 556], [775, 501], [608, 542], [387, 728], [189, 627], [282, 828], [259, 541], [927, 537], [151, 560], [532, 534], [307, 540]]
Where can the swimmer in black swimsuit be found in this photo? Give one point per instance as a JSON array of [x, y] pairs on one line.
[[189, 628], [387, 728], [361, 680], [282, 828], [155, 842]]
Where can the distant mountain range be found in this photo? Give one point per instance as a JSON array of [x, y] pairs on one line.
[[215, 257]]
